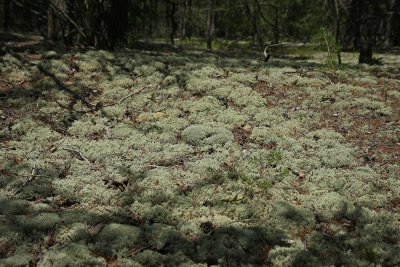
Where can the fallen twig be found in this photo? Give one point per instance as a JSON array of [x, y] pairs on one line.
[[126, 97], [59, 83], [78, 153], [33, 175], [54, 148], [138, 250], [65, 88]]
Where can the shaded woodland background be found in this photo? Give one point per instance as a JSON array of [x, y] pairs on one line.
[[358, 25]]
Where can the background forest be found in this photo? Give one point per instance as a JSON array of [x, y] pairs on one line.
[[358, 25]]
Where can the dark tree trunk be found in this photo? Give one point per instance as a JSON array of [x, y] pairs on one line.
[[396, 24], [355, 17], [337, 20], [117, 22], [389, 22], [210, 22], [7, 12], [174, 25], [153, 12], [289, 14], [189, 21], [276, 24], [2, 14], [170, 17], [253, 20], [364, 18], [51, 25], [365, 54], [226, 26], [184, 19]]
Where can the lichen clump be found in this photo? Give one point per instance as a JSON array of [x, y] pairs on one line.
[[206, 135]]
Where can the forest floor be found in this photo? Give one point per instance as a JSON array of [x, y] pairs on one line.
[[189, 158]]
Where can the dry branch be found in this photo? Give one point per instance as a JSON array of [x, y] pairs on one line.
[[77, 153], [63, 87], [126, 97], [55, 147]]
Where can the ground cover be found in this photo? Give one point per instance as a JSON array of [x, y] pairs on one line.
[[151, 158]]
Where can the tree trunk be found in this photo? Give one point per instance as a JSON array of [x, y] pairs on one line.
[[7, 18], [174, 25], [396, 25], [365, 54], [184, 19], [355, 17], [210, 22], [289, 15], [389, 19], [171, 22], [337, 20], [363, 24], [2, 14], [153, 12], [227, 15], [276, 24], [189, 28], [253, 20], [117, 22], [51, 25]]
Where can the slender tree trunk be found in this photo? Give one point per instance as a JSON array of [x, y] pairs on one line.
[[253, 20], [184, 19], [289, 17], [355, 17], [2, 14], [276, 24], [51, 25], [7, 18], [226, 14], [171, 22], [210, 22], [389, 21], [174, 25], [337, 20], [153, 12], [396, 25], [189, 27]]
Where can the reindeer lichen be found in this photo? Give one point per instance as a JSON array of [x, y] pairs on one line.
[[71, 255], [206, 135], [189, 161]]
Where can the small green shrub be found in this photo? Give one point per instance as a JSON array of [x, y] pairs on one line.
[[325, 41]]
